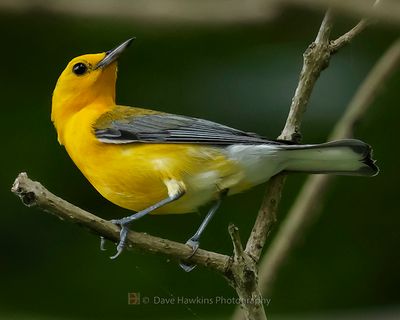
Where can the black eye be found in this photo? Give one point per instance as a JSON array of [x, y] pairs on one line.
[[79, 68]]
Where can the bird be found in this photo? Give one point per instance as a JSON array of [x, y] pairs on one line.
[[153, 162]]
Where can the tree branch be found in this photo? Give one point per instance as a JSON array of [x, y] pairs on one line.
[[239, 270], [32, 193], [316, 58], [266, 217]]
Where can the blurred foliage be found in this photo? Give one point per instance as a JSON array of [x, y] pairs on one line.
[[243, 76]]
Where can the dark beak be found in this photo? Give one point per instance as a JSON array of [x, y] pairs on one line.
[[113, 54]]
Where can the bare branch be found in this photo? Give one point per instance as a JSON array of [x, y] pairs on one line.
[[316, 58], [348, 36], [32, 193], [304, 210], [266, 217]]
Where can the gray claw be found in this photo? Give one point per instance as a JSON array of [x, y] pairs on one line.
[[187, 267], [194, 244], [119, 251], [122, 239]]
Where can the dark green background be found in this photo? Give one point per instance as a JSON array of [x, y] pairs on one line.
[[240, 75]]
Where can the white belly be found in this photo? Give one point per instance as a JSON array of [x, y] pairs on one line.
[[254, 164], [258, 162]]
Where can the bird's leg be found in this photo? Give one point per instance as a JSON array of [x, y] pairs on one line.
[[175, 191], [194, 241]]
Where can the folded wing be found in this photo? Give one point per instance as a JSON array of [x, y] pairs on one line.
[[169, 128]]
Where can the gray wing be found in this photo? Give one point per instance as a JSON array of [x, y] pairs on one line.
[[170, 128]]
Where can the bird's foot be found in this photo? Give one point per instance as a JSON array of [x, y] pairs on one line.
[[122, 237], [194, 244]]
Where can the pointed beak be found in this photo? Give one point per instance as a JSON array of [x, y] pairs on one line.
[[113, 54]]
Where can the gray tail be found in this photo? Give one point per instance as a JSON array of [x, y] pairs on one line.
[[343, 157]]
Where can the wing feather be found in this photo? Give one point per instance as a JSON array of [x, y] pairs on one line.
[[169, 128]]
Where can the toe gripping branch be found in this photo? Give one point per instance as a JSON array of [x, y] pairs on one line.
[[194, 241], [123, 223]]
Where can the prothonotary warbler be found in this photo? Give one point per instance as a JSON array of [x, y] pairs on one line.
[[154, 162]]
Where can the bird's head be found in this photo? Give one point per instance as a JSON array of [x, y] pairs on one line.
[[86, 80]]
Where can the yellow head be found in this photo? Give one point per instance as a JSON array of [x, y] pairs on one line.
[[88, 79]]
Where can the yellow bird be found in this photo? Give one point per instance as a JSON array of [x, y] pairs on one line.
[[154, 162]]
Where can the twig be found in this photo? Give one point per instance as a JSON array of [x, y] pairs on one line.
[[343, 40], [266, 217], [32, 193], [311, 197], [316, 59]]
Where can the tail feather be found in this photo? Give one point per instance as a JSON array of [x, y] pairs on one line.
[[344, 157]]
